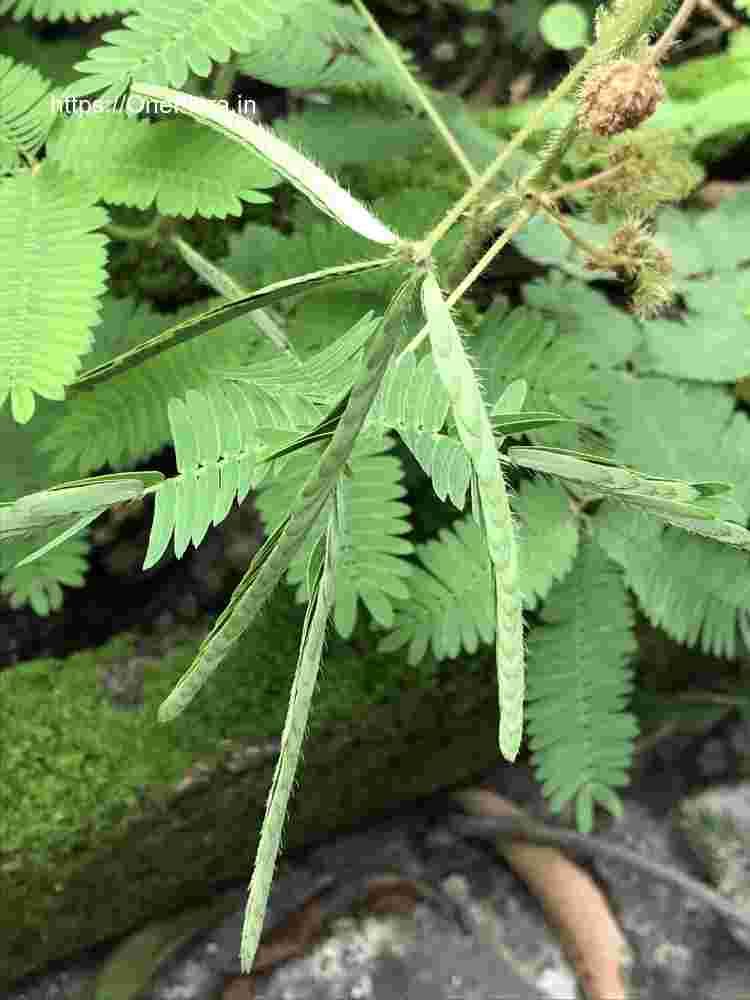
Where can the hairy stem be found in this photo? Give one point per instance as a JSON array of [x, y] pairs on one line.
[[620, 29]]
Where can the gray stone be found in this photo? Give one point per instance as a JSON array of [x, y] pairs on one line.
[[716, 824]]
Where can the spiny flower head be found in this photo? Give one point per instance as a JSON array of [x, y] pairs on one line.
[[619, 95], [648, 270]]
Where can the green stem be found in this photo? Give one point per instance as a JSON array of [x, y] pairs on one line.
[[432, 113], [453, 214], [519, 221]]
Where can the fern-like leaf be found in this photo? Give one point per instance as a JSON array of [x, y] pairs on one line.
[[560, 373], [413, 401], [712, 597], [124, 420], [26, 111], [180, 167], [69, 10], [548, 537], [324, 45], [53, 272], [321, 379], [221, 435], [451, 602], [579, 680], [40, 583], [163, 42], [449, 607], [218, 437], [369, 563]]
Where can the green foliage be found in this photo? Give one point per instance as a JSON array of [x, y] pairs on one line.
[[413, 402], [714, 344], [323, 45], [579, 680], [354, 131], [369, 566], [124, 420], [713, 601], [606, 334], [294, 383], [560, 370], [548, 537], [70, 10], [709, 98], [53, 271], [219, 436], [153, 45], [40, 583], [177, 166], [683, 431], [26, 112], [24, 45], [449, 605]]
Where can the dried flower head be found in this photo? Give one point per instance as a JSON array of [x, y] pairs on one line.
[[618, 96]]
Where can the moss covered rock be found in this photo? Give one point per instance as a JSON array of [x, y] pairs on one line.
[[108, 818]]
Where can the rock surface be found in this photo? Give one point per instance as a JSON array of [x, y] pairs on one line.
[[479, 936], [98, 803]]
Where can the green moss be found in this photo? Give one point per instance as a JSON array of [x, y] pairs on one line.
[[107, 805], [72, 759]]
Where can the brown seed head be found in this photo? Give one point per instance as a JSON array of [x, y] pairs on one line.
[[619, 96]]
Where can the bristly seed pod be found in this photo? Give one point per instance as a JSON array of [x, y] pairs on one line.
[[619, 96]]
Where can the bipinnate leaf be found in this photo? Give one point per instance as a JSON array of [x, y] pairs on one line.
[[579, 679], [53, 270], [712, 601], [174, 165], [219, 437], [26, 111], [40, 584], [272, 561], [69, 10], [413, 401], [374, 521], [166, 41]]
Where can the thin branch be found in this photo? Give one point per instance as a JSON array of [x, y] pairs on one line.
[[514, 827], [432, 112]]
